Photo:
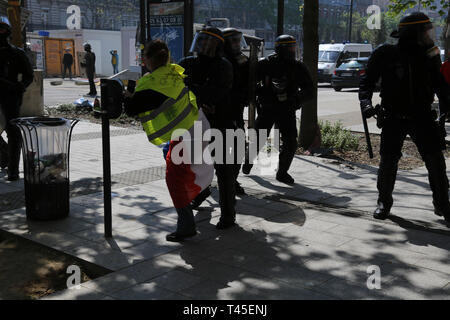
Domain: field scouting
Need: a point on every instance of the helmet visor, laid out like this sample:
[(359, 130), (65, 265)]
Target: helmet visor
[(235, 43), (289, 52), (5, 25), (427, 37), (205, 43)]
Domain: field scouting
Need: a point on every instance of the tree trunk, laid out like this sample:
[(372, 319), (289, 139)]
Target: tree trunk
[(308, 125)]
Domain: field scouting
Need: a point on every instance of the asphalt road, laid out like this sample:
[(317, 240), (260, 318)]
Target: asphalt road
[(332, 106)]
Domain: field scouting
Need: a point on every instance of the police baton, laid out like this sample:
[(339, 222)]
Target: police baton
[(366, 132)]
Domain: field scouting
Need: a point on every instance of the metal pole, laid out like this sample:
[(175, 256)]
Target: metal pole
[(106, 174), (280, 26), (147, 22), (142, 31), (350, 23), (188, 25)]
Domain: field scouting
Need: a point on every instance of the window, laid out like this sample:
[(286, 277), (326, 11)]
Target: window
[(365, 54), (328, 56), (44, 16), (354, 64)]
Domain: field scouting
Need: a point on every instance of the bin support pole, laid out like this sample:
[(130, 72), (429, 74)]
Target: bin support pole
[(106, 175)]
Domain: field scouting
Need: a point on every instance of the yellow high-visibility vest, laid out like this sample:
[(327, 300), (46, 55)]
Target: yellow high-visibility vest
[(179, 111)]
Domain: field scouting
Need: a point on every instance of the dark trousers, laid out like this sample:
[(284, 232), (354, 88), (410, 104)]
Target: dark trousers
[(287, 124), (92, 89), (226, 179), (430, 143), (12, 148), (67, 67), (186, 221), (14, 145), (115, 68), (3, 153)]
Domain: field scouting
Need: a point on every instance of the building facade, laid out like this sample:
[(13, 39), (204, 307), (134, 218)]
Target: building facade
[(95, 14)]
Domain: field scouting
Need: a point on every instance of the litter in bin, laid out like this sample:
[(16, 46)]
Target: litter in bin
[(82, 102), (48, 169)]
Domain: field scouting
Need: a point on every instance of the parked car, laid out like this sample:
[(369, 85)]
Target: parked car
[(349, 73), (332, 55)]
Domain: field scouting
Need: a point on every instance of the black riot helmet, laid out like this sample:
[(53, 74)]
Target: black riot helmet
[(87, 47), (234, 41), (286, 47), (208, 42), (416, 28), (5, 27)]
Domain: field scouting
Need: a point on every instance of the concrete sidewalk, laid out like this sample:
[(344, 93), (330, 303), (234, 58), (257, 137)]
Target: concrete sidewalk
[(313, 240)]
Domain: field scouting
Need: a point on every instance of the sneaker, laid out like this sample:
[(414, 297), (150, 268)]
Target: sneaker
[(176, 237), (285, 178), (246, 168)]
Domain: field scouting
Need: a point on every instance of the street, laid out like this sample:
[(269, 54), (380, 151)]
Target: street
[(332, 106)]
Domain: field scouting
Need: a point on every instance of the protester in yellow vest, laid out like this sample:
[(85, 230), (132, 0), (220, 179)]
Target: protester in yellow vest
[(168, 112)]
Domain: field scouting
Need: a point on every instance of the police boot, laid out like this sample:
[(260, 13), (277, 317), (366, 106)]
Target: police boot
[(185, 226), (3, 153), (227, 196), (439, 185), (283, 166), (387, 174)]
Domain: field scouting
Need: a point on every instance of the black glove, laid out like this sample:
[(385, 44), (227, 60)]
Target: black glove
[(367, 109)]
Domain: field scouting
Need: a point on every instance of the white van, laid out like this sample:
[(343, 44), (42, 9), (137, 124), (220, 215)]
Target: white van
[(331, 55)]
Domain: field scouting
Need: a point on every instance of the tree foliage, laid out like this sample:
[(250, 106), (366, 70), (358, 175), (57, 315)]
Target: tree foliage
[(99, 14), (398, 6)]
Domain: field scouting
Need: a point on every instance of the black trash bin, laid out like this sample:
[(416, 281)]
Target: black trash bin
[(45, 146)]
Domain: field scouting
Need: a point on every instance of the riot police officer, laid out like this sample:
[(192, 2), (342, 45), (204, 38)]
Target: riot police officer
[(410, 78), (210, 77), (234, 42), (285, 85), (13, 61)]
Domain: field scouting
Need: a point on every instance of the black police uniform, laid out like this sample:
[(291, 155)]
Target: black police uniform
[(238, 101), (409, 79), (13, 61), (90, 69), (211, 79), (280, 97)]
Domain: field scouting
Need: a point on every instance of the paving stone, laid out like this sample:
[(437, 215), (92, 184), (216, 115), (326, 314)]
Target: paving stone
[(205, 290), (436, 264), (177, 280), (323, 237), (143, 291), (294, 275), (76, 294), (347, 290)]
